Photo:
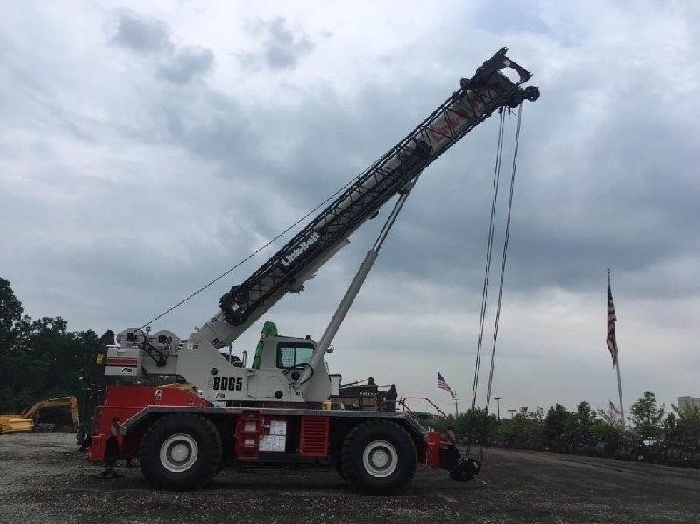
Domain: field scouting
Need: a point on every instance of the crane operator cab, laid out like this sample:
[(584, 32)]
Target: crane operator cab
[(282, 369)]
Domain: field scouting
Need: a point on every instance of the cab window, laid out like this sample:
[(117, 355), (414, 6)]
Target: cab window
[(293, 354)]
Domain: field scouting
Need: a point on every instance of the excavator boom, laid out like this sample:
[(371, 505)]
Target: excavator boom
[(25, 421)]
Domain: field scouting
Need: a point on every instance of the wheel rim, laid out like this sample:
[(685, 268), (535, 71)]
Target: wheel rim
[(380, 458), (179, 452)]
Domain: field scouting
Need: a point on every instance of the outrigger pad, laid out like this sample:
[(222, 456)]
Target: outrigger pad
[(466, 469)]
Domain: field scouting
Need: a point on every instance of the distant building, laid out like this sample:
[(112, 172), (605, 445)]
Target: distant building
[(688, 401)]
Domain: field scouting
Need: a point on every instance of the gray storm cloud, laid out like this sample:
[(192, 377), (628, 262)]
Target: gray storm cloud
[(150, 36), (279, 48)]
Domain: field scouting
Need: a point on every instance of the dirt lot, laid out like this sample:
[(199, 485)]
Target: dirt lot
[(44, 479)]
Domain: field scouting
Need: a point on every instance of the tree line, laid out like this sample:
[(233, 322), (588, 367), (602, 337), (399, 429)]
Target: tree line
[(39, 359), (647, 421), (651, 433)]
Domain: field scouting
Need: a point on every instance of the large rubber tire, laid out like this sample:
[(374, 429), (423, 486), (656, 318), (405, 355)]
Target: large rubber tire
[(378, 457), (181, 452), (337, 465)]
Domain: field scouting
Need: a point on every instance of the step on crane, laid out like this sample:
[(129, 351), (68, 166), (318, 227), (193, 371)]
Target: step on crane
[(274, 412)]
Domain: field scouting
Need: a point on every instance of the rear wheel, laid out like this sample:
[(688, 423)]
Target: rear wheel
[(181, 452), (378, 457)]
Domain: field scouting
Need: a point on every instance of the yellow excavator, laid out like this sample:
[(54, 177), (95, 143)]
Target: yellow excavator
[(26, 421)]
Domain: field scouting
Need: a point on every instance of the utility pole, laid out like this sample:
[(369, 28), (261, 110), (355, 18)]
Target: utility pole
[(498, 406)]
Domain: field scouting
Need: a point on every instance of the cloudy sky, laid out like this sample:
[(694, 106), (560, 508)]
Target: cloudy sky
[(145, 148)]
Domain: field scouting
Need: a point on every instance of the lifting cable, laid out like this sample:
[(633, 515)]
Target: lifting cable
[(504, 256), (489, 251)]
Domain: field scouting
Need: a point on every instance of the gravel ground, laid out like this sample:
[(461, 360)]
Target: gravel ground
[(44, 479)]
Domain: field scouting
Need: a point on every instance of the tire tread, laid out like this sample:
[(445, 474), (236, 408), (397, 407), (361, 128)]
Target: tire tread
[(208, 439), (361, 482)]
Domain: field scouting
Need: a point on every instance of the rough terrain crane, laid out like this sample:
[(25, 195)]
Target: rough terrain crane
[(274, 412)]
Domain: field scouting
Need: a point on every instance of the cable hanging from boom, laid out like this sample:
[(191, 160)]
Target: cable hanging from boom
[(489, 253), (504, 256)]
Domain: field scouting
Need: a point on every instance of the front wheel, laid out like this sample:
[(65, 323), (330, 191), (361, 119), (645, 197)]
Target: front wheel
[(181, 452), (378, 457)]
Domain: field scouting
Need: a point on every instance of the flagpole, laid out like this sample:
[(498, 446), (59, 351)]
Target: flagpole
[(619, 390)]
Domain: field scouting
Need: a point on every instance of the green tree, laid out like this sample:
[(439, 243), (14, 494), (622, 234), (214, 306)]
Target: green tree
[(524, 430), (646, 416), (11, 311), (557, 426), (670, 426), (688, 424), (584, 420), (38, 358), (477, 425)]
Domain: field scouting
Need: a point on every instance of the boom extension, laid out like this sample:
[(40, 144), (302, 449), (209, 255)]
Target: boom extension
[(477, 98)]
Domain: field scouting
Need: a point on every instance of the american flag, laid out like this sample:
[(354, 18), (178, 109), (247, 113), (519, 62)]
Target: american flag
[(443, 385), (612, 343)]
